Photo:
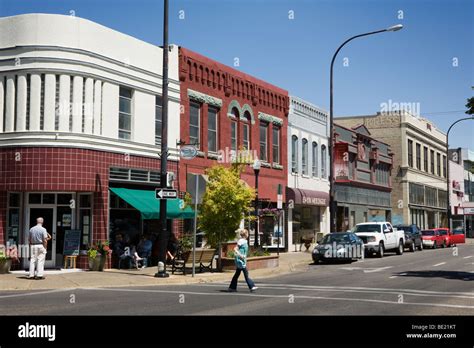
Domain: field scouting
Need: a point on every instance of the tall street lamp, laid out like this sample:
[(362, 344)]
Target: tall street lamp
[(448, 189), (256, 169), (332, 202), (163, 235)]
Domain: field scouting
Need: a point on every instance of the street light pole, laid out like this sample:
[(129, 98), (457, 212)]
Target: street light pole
[(163, 235), (256, 169), (332, 202), (448, 188)]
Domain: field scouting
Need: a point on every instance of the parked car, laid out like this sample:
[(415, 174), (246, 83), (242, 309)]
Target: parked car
[(457, 236), (413, 238), (379, 237), (444, 233), (344, 246), (431, 238)]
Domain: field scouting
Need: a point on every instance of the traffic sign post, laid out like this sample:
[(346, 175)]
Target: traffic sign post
[(162, 193)]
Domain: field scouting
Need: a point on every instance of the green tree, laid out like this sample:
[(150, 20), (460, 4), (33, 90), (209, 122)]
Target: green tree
[(470, 106), (226, 202)]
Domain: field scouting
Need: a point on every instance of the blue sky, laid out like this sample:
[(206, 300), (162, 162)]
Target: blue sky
[(414, 65)]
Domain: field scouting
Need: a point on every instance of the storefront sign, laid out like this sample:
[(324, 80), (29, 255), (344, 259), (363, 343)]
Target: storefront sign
[(72, 242), (468, 211), (307, 197), (188, 152)]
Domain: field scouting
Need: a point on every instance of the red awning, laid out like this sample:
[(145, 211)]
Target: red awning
[(307, 197)]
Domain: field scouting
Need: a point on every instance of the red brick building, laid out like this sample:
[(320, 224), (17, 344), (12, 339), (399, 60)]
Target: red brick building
[(224, 110)]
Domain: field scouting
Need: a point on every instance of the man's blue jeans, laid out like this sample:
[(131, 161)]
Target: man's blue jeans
[(233, 283)]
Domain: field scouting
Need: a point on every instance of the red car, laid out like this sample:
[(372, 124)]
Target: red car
[(444, 233), (456, 236), (432, 238)]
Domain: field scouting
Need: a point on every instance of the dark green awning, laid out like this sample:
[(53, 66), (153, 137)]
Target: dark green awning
[(145, 201)]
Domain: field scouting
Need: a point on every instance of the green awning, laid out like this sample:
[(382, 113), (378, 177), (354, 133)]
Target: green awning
[(149, 207)]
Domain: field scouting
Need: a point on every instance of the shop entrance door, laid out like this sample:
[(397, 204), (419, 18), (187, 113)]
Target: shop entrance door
[(49, 223)]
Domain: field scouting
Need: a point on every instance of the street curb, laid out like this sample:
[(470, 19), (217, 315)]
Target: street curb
[(218, 277)]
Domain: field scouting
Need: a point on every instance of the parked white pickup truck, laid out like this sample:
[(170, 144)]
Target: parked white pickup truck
[(379, 237)]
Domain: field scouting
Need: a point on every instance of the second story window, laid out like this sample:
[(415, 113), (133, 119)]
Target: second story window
[(438, 164), (158, 120), (194, 123), (276, 144), (125, 113), (418, 156), (432, 160), (294, 154), (304, 156), (444, 166), (314, 159), (212, 129), (246, 131), (263, 142), (410, 153), (425, 159), (233, 136), (323, 161)]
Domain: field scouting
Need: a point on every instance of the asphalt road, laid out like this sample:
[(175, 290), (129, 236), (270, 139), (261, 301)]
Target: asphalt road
[(430, 282)]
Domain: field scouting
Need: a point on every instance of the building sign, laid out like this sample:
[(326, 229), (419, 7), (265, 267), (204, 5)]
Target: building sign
[(188, 152), (341, 162), (468, 211), (313, 201)]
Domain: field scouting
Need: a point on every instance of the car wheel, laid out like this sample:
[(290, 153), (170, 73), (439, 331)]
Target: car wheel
[(400, 248), (413, 247), (381, 251), (420, 247)]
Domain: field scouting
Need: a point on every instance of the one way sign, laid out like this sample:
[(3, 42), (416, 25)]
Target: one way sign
[(166, 193)]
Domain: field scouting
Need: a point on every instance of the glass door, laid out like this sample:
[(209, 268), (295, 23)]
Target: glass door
[(49, 223)]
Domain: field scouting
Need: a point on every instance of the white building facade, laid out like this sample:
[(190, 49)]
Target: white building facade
[(80, 111), (308, 172)]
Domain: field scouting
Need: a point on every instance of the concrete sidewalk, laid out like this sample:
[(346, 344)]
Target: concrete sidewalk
[(289, 262)]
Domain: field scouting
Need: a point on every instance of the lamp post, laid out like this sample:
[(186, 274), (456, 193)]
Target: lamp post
[(332, 202), (448, 189), (256, 169), (163, 235)]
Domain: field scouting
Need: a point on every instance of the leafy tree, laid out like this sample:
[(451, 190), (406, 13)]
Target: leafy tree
[(226, 202), (470, 106)]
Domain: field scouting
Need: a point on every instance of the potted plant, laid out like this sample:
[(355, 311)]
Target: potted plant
[(6, 258), (97, 254)]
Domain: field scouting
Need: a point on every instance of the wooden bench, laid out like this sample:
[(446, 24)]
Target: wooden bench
[(204, 259)]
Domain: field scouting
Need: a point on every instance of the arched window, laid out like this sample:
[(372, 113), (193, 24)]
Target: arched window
[(304, 156), (323, 161), (233, 129), (314, 163), (294, 154), (246, 130)]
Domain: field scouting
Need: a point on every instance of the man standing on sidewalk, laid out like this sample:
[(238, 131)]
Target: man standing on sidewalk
[(38, 241)]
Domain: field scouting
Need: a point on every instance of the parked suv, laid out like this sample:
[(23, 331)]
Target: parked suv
[(413, 238), (379, 237)]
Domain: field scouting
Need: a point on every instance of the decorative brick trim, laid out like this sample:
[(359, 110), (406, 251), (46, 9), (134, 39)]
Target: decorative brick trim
[(269, 118), (204, 98)]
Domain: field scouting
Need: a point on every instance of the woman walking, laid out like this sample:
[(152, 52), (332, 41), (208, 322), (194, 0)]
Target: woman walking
[(241, 251)]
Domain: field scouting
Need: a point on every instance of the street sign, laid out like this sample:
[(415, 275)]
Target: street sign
[(166, 193)]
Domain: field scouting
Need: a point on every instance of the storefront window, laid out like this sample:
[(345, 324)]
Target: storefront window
[(85, 218), (13, 226)]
